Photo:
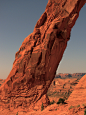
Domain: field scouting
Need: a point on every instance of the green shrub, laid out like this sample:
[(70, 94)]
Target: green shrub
[(42, 107), (84, 105), (71, 107), (61, 100), (52, 102), (78, 105), (17, 113), (65, 97), (85, 112)]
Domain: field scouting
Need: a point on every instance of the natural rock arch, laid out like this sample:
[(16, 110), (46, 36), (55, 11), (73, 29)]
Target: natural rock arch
[(39, 56)]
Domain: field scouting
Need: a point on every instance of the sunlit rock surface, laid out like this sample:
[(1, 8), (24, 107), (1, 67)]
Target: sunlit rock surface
[(38, 57)]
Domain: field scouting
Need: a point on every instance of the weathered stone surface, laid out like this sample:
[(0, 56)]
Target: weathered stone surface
[(38, 57), (78, 96)]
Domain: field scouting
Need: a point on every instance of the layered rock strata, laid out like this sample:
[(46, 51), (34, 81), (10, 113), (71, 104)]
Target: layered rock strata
[(39, 55), (78, 96)]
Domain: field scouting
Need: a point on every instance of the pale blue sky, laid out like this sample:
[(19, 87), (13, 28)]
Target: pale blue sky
[(17, 21)]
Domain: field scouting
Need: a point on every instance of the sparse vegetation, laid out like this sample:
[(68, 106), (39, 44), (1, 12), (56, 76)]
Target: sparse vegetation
[(52, 102), (78, 105), (71, 107), (84, 104), (61, 100), (42, 107), (85, 112), (54, 92), (17, 113), (65, 97), (63, 91)]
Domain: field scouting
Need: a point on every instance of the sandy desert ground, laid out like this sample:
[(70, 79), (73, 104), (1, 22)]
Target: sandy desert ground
[(59, 88)]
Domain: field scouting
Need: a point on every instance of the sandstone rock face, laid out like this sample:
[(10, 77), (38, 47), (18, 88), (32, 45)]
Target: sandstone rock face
[(38, 57), (78, 96), (2, 81)]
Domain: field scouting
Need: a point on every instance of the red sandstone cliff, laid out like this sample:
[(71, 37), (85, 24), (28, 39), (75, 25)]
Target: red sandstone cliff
[(38, 57), (78, 96)]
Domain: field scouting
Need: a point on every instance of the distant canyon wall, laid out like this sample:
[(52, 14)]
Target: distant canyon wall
[(68, 75)]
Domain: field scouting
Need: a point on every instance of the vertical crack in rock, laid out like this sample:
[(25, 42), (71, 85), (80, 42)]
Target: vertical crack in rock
[(64, 3), (39, 60), (51, 41), (39, 55), (33, 47)]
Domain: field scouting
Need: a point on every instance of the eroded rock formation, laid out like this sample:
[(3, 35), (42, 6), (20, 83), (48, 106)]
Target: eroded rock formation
[(38, 57), (78, 96)]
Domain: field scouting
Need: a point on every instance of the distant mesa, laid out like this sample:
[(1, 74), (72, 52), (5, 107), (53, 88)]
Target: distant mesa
[(60, 75), (68, 75)]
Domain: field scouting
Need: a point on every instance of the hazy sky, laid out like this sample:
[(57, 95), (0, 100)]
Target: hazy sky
[(17, 21)]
